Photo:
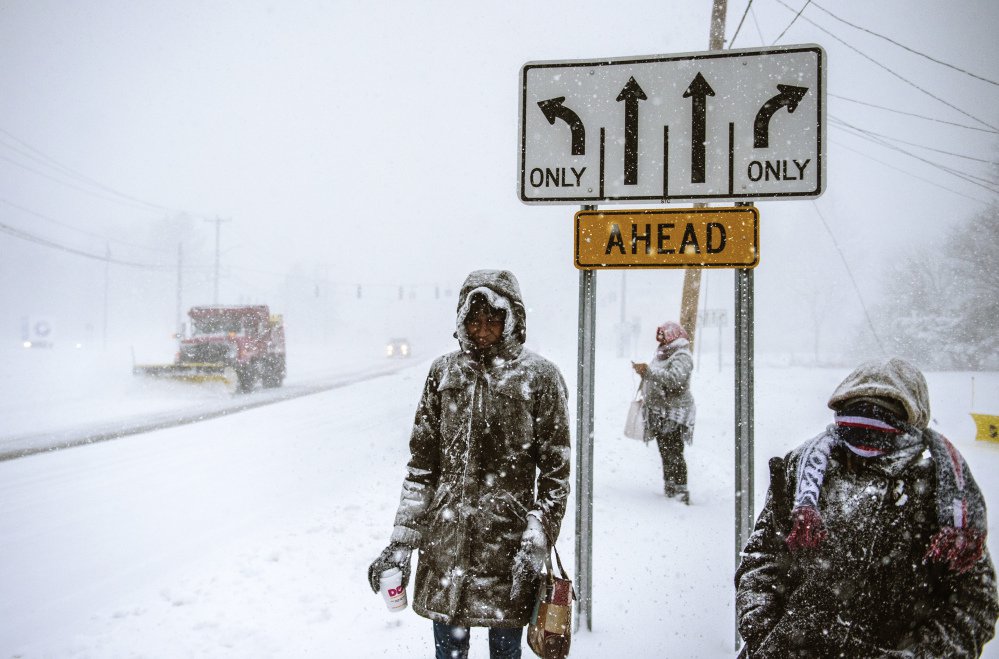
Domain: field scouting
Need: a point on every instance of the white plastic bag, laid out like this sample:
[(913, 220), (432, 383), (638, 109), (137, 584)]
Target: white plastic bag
[(634, 424)]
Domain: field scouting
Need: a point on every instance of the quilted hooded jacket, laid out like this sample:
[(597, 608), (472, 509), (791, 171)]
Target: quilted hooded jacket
[(490, 443), (866, 590)]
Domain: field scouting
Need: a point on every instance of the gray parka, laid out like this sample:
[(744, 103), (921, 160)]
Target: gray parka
[(490, 443), (666, 387), (866, 590)]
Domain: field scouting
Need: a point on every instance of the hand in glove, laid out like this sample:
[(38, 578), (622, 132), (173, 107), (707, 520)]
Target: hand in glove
[(529, 562), (395, 555)]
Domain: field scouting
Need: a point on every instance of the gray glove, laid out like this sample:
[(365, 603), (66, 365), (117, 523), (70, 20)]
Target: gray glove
[(529, 562), (395, 555)]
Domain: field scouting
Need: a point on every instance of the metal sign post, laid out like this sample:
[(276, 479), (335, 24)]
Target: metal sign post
[(584, 444), (744, 513)]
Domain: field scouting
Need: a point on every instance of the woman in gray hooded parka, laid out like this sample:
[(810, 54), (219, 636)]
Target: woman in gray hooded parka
[(872, 539), (669, 405), (488, 476)]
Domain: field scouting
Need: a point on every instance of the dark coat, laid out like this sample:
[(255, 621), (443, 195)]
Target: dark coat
[(490, 443), (866, 590)]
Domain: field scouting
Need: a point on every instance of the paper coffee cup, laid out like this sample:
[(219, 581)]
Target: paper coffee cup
[(393, 590)]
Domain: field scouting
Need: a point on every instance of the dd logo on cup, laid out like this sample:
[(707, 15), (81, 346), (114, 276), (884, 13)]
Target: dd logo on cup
[(393, 590)]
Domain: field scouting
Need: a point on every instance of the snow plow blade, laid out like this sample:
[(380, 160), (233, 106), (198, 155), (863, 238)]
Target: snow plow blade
[(987, 426), (193, 372)]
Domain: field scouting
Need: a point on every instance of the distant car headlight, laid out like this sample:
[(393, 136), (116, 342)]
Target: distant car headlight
[(389, 350), (27, 344), (404, 350)]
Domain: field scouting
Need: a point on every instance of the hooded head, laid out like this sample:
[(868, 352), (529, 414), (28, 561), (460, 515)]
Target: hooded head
[(669, 332), (876, 402), (498, 289), (891, 385)]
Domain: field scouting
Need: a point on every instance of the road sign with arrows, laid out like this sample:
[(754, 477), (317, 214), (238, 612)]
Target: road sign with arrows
[(721, 125)]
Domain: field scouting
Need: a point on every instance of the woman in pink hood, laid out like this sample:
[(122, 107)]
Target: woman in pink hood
[(669, 405)]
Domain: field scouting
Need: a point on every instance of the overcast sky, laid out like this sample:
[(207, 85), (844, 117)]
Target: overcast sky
[(375, 143)]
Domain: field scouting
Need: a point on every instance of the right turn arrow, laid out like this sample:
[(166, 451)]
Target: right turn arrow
[(789, 97), (553, 109)]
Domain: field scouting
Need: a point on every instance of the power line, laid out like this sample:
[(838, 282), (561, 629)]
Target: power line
[(912, 114), (756, 22), (38, 156), (969, 178), (907, 173), (330, 282), (30, 237), (860, 297), (904, 47), (897, 75), (807, 2), (77, 229), (965, 176), (41, 157), (916, 144), (741, 20), (71, 185)]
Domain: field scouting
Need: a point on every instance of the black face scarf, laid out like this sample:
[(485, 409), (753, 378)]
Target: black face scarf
[(870, 429)]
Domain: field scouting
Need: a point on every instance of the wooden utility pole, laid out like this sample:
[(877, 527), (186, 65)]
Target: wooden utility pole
[(692, 276), (180, 289), (107, 288), (218, 225)]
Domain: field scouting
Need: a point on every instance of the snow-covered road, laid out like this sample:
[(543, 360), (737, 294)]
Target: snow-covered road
[(118, 422), (249, 535)]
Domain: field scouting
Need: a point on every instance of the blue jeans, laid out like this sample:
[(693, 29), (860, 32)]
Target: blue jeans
[(452, 642)]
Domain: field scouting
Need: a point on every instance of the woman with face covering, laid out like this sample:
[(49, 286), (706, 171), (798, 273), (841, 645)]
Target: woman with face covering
[(872, 539), (669, 405), (488, 476)]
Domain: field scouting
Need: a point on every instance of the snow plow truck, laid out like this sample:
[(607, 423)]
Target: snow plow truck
[(235, 345)]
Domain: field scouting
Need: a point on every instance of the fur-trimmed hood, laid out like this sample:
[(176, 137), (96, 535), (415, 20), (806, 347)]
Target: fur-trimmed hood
[(501, 291)]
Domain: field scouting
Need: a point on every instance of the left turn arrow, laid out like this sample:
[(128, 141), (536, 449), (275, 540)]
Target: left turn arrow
[(553, 109)]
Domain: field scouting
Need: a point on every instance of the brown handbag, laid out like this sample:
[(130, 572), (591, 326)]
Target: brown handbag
[(550, 631)]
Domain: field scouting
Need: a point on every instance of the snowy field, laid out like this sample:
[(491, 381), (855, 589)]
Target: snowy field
[(249, 535)]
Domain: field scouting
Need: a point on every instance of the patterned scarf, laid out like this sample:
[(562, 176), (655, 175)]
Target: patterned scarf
[(959, 502)]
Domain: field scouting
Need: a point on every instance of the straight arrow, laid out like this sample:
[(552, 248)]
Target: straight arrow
[(553, 109), (631, 94), (788, 97), (697, 92)]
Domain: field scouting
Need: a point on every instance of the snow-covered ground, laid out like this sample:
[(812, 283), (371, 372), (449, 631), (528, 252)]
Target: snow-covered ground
[(249, 535)]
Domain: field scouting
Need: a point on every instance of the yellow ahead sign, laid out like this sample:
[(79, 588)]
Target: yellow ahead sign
[(668, 238)]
